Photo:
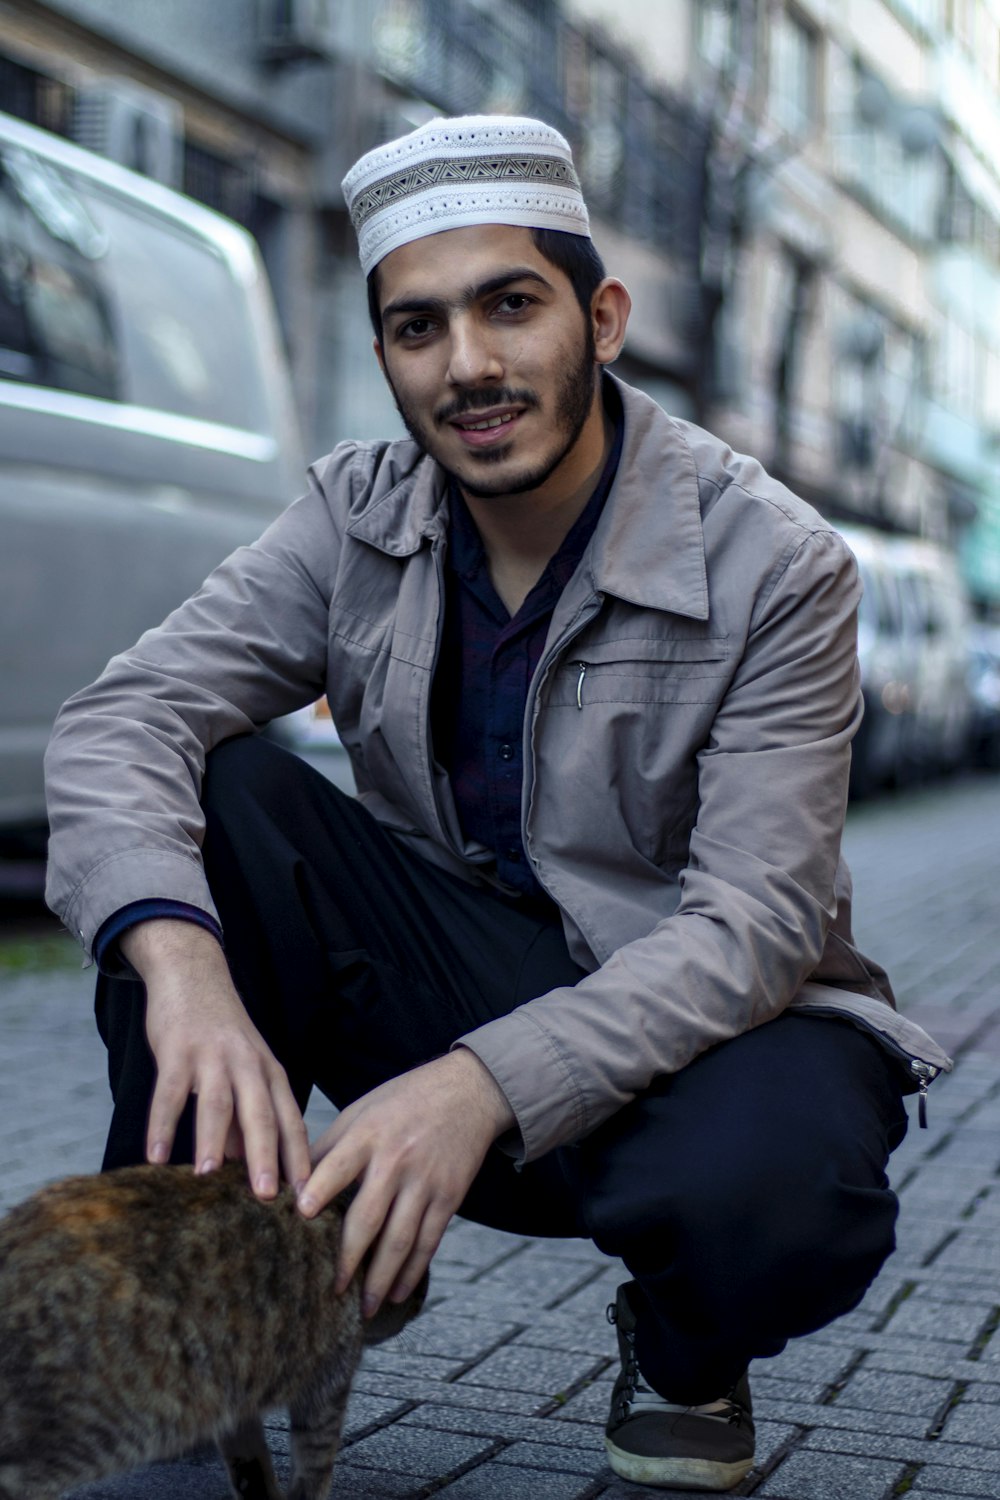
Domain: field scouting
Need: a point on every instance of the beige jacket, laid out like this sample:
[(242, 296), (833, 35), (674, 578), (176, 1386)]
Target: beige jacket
[(687, 743)]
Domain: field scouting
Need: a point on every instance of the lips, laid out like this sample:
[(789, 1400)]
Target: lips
[(480, 429)]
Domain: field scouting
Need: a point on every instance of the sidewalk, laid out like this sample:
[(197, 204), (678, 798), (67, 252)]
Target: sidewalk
[(499, 1391)]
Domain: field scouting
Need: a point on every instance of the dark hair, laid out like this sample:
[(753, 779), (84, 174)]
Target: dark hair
[(573, 254)]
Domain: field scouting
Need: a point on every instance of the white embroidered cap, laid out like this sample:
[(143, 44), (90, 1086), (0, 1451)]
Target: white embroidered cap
[(476, 169)]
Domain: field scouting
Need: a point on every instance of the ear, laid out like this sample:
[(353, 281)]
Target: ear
[(379, 356), (609, 310)]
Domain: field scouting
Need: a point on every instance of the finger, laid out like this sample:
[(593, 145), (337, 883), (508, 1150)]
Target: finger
[(215, 1108), (400, 1239), (363, 1223), (170, 1095), (234, 1149), (324, 1144), (292, 1133), (258, 1121), (384, 1280), (432, 1230), (336, 1171)]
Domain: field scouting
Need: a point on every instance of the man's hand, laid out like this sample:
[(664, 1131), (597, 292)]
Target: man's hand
[(414, 1144), (204, 1043)]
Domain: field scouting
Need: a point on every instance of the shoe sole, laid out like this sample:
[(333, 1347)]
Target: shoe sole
[(676, 1473)]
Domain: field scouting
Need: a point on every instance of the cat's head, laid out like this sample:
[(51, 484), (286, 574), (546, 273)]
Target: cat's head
[(392, 1317)]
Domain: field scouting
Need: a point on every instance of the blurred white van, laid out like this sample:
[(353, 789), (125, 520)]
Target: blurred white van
[(913, 646), (146, 423)]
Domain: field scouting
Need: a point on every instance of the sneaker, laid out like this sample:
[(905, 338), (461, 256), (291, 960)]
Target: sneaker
[(653, 1442)]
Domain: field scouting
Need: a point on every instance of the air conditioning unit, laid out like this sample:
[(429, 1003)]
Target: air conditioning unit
[(294, 29), (132, 125)]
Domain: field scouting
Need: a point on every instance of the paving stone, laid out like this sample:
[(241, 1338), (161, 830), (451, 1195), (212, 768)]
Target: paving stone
[(948, 1481), (558, 1457), (876, 1391), (397, 1361), (586, 1335), (827, 1476), (497, 1481), (804, 1361), (844, 1418), (407, 1450), (548, 1372), (454, 1393), (768, 1388), (513, 1426), (770, 1438), (364, 1411), (973, 1422), (913, 1359), (446, 1335), (931, 1320), (351, 1483)]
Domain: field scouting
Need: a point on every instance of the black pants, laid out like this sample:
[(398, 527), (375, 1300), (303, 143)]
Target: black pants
[(746, 1194)]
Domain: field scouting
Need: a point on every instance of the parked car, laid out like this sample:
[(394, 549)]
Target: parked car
[(984, 686), (938, 618), (888, 668), (913, 643), (146, 423)]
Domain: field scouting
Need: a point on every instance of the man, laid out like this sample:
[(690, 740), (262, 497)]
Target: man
[(578, 959)]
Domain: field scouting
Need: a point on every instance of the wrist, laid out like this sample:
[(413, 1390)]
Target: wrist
[(165, 945), (491, 1096)]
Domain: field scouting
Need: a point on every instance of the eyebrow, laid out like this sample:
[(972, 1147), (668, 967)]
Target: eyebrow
[(468, 295)]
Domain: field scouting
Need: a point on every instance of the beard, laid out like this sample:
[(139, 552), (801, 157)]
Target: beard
[(573, 401)]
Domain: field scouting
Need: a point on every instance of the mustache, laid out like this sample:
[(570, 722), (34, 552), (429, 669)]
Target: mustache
[(472, 401)]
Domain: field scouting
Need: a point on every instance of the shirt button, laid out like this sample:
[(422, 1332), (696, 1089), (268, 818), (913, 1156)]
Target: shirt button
[(506, 752)]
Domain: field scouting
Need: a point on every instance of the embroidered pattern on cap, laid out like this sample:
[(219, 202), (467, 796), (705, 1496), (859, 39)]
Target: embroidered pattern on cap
[(422, 175)]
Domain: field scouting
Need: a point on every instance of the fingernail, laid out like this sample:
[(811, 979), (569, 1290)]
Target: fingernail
[(307, 1204), (158, 1153), (267, 1185), (208, 1165), (400, 1293), (369, 1305)]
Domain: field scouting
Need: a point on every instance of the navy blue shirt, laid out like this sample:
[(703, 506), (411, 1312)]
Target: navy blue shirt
[(484, 668)]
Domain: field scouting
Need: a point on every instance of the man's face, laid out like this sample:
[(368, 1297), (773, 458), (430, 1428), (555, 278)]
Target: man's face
[(489, 357)]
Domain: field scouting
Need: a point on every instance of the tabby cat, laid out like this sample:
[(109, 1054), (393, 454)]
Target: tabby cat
[(149, 1310)]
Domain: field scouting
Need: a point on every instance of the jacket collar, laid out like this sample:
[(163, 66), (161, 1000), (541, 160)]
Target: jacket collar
[(648, 548), (407, 504)]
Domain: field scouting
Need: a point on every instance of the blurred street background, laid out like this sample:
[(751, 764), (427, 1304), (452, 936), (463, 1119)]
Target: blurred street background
[(803, 198)]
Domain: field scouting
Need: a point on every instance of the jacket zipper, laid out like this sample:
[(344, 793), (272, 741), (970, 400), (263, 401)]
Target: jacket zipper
[(579, 681), (924, 1072)]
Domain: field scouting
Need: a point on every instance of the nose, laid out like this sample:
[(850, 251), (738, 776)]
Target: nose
[(472, 354)]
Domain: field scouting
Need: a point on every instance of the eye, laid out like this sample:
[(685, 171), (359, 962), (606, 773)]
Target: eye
[(416, 328), (514, 302)]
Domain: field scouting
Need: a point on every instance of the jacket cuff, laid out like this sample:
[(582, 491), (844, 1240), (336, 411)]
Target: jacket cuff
[(135, 874), (536, 1078), (107, 953)]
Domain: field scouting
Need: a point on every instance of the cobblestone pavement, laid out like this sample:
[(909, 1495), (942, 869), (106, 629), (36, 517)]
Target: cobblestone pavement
[(501, 1387)]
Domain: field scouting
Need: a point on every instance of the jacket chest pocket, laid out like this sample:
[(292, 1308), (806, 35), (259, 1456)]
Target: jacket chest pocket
[(642, 671)]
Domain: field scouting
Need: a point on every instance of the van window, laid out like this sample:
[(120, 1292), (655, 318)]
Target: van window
[(108, 298), (55, 316)]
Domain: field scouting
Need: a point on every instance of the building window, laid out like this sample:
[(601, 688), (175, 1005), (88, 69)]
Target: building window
[(927, 15), (793, 74), (714, 33)]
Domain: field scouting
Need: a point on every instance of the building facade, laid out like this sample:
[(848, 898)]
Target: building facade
[(801, 195)]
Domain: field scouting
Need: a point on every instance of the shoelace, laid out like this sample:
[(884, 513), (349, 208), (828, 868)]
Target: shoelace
[(639, 1396)]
